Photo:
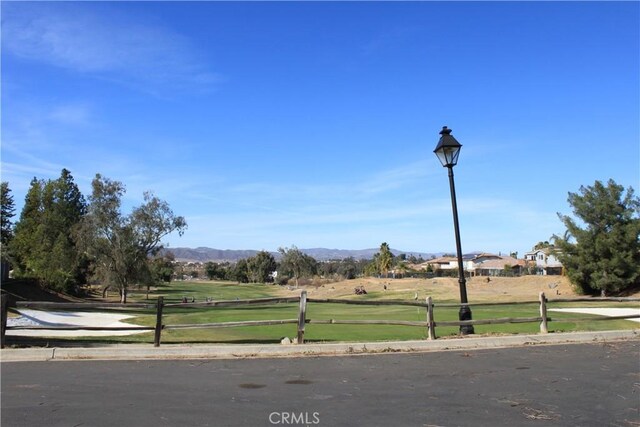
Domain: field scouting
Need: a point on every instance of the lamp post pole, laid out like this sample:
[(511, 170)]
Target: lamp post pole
[(465, 311), (448, 150)]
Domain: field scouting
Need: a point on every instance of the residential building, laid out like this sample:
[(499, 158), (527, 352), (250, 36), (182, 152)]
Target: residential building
[(496, 265), (479, 264), (544, 261), (442, 263)]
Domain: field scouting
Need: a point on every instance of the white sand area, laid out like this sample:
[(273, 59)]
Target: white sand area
[(30, 317), (603, 311)]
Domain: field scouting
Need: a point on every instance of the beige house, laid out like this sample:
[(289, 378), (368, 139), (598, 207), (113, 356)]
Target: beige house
[(483, 264), (495, 265), (442, 263)]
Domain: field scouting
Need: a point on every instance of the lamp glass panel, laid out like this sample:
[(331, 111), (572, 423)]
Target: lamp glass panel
[(448, 155), (455, 152)]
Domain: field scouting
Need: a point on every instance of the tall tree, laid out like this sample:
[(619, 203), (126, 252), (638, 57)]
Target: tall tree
[(43, 245), (348, 268), (162, 266), (121, 246), (296, 264), (64, 206), (385, 258), (27, 229), (601, 249), (213, 270), (240, 271), (261, 266), (7, 212)]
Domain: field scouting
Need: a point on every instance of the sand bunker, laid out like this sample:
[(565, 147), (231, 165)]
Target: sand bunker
[(68, 318), (603, 311)]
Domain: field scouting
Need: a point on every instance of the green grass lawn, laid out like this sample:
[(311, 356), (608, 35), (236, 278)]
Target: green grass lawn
[(173, 293)]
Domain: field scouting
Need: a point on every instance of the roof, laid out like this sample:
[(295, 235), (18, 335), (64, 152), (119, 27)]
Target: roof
[(442, 260), (499, 264), (547, 251), (486, 255)]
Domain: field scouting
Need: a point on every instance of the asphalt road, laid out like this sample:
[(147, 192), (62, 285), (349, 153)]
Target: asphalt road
[(563, 385)]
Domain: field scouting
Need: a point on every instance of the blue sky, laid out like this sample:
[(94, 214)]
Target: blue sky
[(313, 124)]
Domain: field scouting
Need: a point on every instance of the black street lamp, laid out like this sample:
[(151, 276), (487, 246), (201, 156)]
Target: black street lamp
[(448, 150)]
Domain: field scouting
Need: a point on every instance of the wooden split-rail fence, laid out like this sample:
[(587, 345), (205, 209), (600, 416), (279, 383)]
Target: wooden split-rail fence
[(429, 323)]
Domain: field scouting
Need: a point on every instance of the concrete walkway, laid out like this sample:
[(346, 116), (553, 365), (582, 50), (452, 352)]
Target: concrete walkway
[(234, 351)]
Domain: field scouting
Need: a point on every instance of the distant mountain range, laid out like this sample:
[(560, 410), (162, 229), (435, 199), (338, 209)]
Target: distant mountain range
[(203, 254)]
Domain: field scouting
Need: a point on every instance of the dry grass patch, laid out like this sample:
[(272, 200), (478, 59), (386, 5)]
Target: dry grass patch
[(525, 288)]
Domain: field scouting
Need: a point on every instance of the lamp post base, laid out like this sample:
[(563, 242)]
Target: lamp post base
[(465, 314)]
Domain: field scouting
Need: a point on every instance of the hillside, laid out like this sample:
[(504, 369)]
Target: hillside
[(25, 290), (203, 254)]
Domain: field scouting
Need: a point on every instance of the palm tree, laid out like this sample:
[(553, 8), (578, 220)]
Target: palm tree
[(384, 259)]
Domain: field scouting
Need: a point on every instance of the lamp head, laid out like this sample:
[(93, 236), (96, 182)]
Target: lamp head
[(448, 148)]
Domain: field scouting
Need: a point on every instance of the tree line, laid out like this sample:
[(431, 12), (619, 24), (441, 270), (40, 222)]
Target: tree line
[(293, 266), (63, 240)]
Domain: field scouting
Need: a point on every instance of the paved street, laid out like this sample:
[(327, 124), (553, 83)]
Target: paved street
[(562, 385)]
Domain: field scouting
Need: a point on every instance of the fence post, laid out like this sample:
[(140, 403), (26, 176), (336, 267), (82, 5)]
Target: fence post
[(431, 325), (3, 326), (302, 316), (156, 340), (543, 313)]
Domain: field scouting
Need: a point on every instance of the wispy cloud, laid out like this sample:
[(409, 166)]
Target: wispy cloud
[(313, 215), (104, 43), (398, 178), (70, 114), (31, 129), (301, 214)]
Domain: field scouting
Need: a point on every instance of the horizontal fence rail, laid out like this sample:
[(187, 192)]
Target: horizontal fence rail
[(498, 321), (230, 303), (429, 323), (82, 328), (366, 302), (232, 324), (367, 322), (38, 305)]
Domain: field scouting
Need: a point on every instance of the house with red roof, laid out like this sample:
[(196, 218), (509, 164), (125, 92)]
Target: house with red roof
[(482, 264)]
